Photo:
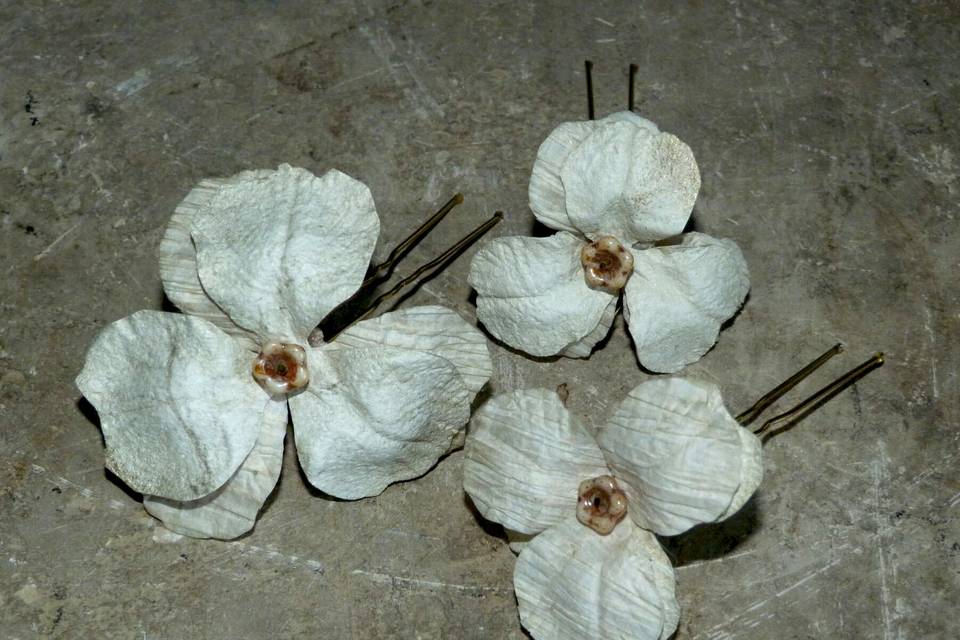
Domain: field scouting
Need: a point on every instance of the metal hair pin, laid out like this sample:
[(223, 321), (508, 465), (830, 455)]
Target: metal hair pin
[(788, 419), (347, 312), (631, 78)]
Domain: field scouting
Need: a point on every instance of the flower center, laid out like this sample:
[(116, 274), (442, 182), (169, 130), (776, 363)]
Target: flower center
[(607, 264), (281, 368), (601, 504)]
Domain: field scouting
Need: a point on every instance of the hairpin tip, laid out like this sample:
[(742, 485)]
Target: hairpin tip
[(457, 198)]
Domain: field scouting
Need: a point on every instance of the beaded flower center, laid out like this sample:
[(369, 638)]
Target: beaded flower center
[(607, 264), (281, 368), (601, 505)]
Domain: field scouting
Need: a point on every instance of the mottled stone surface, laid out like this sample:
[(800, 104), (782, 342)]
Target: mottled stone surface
[(827, 136)]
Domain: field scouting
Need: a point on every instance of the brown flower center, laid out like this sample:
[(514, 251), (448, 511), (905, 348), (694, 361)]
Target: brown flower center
[(601, 505), (607, 264), (281, 368)]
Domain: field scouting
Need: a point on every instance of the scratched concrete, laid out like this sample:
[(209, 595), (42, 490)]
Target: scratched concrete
[(828, 141)]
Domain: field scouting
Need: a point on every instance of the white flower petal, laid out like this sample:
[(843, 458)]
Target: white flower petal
[(525, 458), (678, 454), (630, 182), (547, 198), (546, 192), (375, 416), (583, 347), (751, 471), (231, 510), (178, 260), (279, 250), (664, 579), (632, 118), (532, 293), (572, 584), (433, 329), (679, 296), (178, 405)]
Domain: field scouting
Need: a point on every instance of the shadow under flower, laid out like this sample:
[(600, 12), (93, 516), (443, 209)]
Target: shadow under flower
[(712, 541), (111, 477), (489, 527)]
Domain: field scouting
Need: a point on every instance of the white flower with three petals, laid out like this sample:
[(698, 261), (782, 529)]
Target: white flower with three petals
[(193, 406), (619, 191), (582, 511)]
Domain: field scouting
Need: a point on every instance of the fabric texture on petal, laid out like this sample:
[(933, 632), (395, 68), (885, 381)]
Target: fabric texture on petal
[(630, 182), (546, 191), (547, 198), (661, 570), (632, 118), (679, 296), (231, 510), (376, 416), (677, 454), (278, 252), (525, 458), (751, 471), (572, 583), (532, 294), (178, 405), (178, 259), (583, 347), (432, 329)]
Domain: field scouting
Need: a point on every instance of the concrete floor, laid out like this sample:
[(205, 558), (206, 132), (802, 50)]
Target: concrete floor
[(828, 142)]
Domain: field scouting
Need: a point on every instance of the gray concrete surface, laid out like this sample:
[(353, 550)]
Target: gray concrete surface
[(828, 141)]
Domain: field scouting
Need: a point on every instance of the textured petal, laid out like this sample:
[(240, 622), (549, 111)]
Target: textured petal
[(546, 191), (678, 454), (664, 579), (525, 457), (231, 510), (632, 118), (547, 198), (679, 296), (532, 293), (583, 347), (375, 416), (630, 182), (279, 250), (178, 406), (751, 471), (572, 583), (178, 259), (433, 329)]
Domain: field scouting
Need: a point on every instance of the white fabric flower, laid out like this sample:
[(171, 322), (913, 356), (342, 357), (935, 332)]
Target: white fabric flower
[(614, 189), (670, 457), (194, 407)]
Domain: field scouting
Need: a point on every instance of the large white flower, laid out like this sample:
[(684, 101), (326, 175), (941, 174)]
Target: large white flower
[(616, 189), (582, 510), (194, 407)]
